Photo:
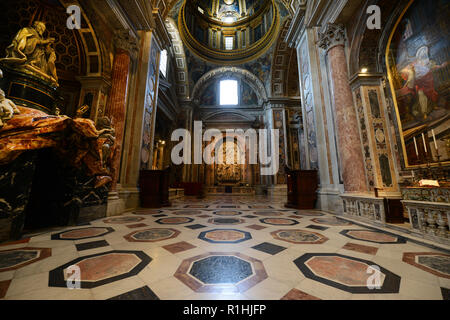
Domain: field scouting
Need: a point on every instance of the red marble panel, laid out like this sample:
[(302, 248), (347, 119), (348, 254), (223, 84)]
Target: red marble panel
[(179, 247), (106, 266), (4, 285), (83, 233), (296, 294), (225, 235), (360, 248), (372, 236), (345, 271)]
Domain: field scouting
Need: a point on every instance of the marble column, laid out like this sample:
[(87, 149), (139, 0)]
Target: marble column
[(161, 156), (117, 101), (353, 173)]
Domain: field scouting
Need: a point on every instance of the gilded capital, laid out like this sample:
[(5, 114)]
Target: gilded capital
[(125, 41), (334, 35)]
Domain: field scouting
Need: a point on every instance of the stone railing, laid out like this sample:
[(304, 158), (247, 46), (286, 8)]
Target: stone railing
[(429, 219), (364, 207)]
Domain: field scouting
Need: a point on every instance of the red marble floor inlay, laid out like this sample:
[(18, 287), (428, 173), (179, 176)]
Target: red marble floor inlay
[(83, 233), (137, 225), (175, 220), (296, 294), (4, 285), (338, 269), (372, 236), (149, 212), (279, 221), (179, 247), (360, 248), (256, 227), (106, 266), (225, 235)]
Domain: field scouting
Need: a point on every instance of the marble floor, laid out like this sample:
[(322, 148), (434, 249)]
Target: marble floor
[(229, 248)]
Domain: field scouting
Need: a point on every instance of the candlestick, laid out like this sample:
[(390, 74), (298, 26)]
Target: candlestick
[(424, 143), (415, 145), (434, 138)]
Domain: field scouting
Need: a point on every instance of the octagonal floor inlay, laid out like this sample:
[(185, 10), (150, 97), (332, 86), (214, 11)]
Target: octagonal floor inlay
[(227, 270), (84, 233), (152, 235), (102, 268), (187, 212), (279, 221), (432, 262), (226, 221), (174, 220), (309, 213), (123, 220), (299, 236), (221, 272), (225, 236), (227, 213), (332, 221), (18, 258), (372, 236), (269, 213), (347, 273), (147, 212)]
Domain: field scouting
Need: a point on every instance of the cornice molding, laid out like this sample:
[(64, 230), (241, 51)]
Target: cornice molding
[(295, 29), (366, 79)]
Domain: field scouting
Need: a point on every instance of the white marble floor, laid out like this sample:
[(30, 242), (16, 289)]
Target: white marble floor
[(222, 248)]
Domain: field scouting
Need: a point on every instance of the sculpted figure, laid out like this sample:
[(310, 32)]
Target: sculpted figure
[(30, 51), (7, 109), (107, 132)]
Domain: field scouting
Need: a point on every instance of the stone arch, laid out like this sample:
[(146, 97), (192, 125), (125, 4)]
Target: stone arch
[(252, 80), (368, 46), (282, 61), (181, 70), (95, 57)]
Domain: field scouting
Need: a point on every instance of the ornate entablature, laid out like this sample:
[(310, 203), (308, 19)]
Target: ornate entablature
[(229, 32)]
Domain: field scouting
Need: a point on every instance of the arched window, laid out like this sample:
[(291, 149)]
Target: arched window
[(229, 92)]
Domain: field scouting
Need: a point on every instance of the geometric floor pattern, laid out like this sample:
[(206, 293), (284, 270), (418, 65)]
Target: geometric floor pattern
[(227, 247)]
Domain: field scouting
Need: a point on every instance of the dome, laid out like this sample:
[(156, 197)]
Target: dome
[(228, 31)]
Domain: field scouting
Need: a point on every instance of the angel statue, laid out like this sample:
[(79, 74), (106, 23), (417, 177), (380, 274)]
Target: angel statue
[(29, 51), (7, 108)]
